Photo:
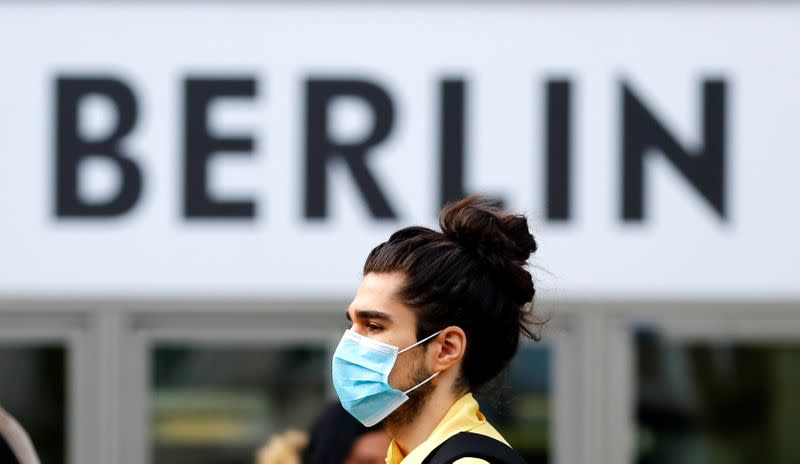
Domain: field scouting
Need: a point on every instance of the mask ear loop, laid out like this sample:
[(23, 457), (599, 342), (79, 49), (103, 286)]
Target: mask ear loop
[(421, 384), (420, 342), (434, 374)]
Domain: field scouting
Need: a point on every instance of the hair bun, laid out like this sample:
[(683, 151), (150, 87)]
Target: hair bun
[(502, 239)]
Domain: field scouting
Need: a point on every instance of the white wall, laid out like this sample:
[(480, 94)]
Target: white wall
[(505, 52)]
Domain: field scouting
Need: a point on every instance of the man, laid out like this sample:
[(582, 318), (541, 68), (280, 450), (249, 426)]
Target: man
[(437, 316)]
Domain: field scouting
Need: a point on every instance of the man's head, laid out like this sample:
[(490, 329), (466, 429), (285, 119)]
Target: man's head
[(379, 313), (468, 281)]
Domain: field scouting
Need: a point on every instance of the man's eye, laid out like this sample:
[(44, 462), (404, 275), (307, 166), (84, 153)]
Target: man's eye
[(374, 327)]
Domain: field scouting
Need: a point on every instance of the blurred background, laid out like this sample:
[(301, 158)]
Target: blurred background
[(188, 190)]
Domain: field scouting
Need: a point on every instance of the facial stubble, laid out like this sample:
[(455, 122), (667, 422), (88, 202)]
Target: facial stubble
[(417, 399)]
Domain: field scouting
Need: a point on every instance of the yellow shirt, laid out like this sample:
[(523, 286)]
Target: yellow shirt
[(463, 416)]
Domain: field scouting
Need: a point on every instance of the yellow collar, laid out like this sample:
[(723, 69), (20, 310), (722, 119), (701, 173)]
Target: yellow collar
[(463, 416)]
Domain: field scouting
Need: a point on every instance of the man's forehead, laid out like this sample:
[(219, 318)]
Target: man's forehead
[(378, 293), (382, 282), (378, 289)]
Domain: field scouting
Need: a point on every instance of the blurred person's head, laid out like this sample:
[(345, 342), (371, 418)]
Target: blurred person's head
[(369, 448), (336, 437), (283, 448), (453, 302)]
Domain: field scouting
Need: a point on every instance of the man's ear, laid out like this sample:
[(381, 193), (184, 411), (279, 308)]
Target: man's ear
[(451, 345)]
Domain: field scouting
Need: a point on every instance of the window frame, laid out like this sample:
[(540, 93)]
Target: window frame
[(23, 326), (682, 321)]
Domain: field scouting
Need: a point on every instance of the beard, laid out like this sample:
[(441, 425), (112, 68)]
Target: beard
[(417, 399)]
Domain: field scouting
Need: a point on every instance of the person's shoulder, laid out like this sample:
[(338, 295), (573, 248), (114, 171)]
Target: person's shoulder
[(488, 430), (485, 429)]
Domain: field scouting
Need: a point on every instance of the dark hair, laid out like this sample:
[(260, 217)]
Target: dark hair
[(333, 435), (472, 275)]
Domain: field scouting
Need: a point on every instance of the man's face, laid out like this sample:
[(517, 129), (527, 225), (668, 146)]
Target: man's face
[(378, 313)]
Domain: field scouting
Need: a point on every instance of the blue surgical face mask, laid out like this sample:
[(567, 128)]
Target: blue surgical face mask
[(361, 368)]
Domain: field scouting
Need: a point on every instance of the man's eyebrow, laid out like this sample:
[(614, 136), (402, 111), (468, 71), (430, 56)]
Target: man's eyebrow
[(372, 314)]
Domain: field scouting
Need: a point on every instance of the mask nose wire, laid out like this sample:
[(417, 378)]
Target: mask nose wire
[(420, 342)]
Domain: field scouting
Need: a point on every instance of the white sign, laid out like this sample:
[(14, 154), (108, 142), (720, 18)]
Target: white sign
[(261, 150)]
